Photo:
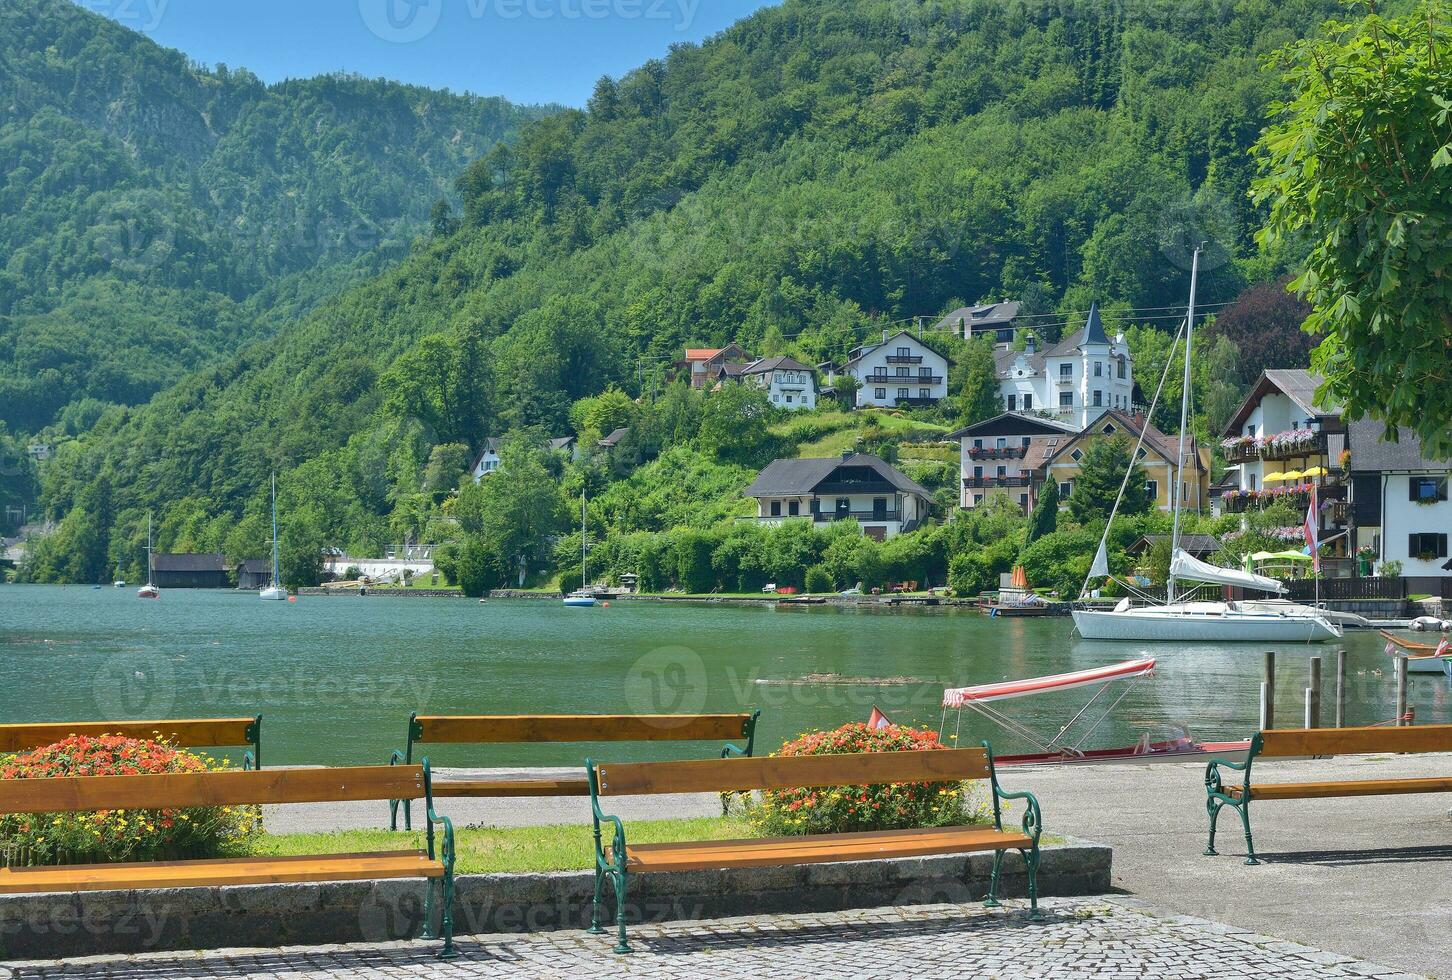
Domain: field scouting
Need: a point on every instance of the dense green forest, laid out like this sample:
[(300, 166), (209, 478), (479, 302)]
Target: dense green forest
[(798, 182), (155, 215)]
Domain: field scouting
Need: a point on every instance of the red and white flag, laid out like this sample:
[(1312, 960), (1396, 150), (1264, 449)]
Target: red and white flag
[(877, 719), (1312, 547), (1443, 649)]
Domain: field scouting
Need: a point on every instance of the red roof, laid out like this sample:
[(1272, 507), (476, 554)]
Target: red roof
[(702, 353)]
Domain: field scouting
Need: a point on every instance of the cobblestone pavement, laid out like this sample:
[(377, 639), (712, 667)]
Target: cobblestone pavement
[(1100, 938)]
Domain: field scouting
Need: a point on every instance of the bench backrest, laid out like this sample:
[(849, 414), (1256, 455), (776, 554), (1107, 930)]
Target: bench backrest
[(221, 788), (787, 772), (186, 732), (1351, 741), (579, 728)]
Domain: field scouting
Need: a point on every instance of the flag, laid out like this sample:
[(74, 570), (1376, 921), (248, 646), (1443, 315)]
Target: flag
[(1443, 650), (1312, 548), (877, 719)]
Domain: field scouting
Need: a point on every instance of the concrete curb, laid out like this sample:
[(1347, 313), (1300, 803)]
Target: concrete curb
[(91, 923)]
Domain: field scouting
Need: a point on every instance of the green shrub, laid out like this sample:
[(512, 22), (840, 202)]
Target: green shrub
[(693, 563), (570, 581), (845, 809), (969, 574), (819, 580), (118, 835), (480, 568)]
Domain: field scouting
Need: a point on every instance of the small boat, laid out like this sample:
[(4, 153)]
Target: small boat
[(274, 590), (1422, 658), (1056, 749), (149, 590), (582, 597)]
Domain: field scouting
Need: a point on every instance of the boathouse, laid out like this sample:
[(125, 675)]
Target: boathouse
[(203, 571)]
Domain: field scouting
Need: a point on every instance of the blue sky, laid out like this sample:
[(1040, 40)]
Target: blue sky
[(525, 50)]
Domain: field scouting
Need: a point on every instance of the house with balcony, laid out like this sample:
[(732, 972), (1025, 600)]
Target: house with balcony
[(853, 486), (1075, 380), (703, 365), (1005, 456), (1157, 455), (993, 320), (788, 383), (1399, 506), (902, 370)]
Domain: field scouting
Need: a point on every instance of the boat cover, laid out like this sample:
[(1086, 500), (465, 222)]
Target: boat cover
[(1185, 566), (956, 697)]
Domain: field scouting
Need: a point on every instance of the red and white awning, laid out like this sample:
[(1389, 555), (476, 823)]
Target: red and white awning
[(957, 697)]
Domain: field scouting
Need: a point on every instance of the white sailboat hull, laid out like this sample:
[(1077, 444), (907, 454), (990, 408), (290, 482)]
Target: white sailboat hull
[(1222, 625), (276, 592)]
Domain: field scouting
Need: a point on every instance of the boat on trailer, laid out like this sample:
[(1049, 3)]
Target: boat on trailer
[(1057, 749)]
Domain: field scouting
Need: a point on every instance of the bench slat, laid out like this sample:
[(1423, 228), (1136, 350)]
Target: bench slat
[(71, 793), (580, 728), (1352, 741), (511, 787), (231, 871), (188, 732), (1365, 787), (784, 772), (819, 848)]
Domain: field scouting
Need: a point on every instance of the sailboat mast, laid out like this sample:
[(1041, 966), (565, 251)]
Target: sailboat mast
[(276, 572), (1177, 491), (583, 538)]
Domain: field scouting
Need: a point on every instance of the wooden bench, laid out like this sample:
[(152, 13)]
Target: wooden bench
[(617, 860), (524, 729), (238, 787), (1304, 742), (185, 732)]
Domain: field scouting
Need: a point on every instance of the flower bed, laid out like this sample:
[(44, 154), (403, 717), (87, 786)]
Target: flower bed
[(845, 809), (117, 835)]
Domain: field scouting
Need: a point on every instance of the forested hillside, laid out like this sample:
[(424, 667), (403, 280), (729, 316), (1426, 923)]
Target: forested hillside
[(155, 215), (817, 171)]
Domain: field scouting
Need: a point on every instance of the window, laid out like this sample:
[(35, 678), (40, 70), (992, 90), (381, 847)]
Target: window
[(925, 393), (1076, 455), (1026, 441), (1152, 489), (1028, 402), (1002, 472), (1427, 546), (776, 508), (902, 394), (1065, 489), (925, 372), (1098, 369), (1121, 369), (789, 399), (977, 443), (977, 472), (1426, 489), (1000, 443), (1012, 402), (1098, 397), (879, 393), (1066, 399), (794, 508), (902, 372), (1066, 370), (978, 498), (1023, 500), (903, 351)]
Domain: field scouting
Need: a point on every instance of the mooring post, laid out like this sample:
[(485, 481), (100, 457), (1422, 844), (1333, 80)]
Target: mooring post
[(1268, 693), (1340, 688), (1401, 689), (1313, 695)]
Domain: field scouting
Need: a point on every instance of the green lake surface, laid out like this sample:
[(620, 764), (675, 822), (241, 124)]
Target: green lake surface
[(336, 678)]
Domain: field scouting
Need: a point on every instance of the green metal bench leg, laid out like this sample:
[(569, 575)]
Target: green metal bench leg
[(1212, 807), (1031, 865), (992, 901), (448, 952), (1249, 844), (595, 929), (428, 911), (622, 946)]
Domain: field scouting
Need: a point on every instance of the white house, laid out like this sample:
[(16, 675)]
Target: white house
[(901, 370), (487, 461), (994, 320), (1076, 380), (1399, 500), (1006, 455), (788, 383), (853, 486)]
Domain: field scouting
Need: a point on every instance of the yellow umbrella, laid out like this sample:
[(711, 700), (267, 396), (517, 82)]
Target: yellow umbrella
[(1276, 477), (1314, 471)]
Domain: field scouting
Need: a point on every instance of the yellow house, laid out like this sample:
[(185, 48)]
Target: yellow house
[(1156, 458)]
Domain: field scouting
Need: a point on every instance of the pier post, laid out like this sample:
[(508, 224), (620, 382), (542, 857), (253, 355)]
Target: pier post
[(1268, 692), (1340, 688), (1401, 688), (1313, 695)]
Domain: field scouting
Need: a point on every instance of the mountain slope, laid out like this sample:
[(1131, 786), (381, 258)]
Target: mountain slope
[(146, 200), (816, 172)]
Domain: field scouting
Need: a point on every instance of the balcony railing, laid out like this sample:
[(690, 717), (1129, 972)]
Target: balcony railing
[(857, 515), (1295, 444), (904, 359), (988, 482), (998, 452), (904, 380)]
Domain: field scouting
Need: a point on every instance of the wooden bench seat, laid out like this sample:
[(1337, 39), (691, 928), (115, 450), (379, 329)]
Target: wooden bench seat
[(239, 787), (192, 733), (1303, 742), (818, 848), (558, 729), (616, 859)]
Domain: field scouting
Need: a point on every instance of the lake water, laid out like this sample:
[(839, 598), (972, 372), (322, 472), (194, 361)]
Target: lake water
[(336, 678)]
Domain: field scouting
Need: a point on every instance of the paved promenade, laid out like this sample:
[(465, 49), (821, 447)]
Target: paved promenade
[(1093, 939)]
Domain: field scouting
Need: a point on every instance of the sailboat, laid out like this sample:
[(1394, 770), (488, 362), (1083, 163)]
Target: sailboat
[(1180, 620), (581, 597), (149, 590), (274, 589)]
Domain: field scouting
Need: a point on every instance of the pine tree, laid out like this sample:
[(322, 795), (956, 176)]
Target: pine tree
[(1097, 485), (1045, 517)]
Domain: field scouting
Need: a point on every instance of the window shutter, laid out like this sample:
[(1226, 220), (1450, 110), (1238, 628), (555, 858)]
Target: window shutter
[(1412, 545), (1441, 546), (1413, 485)]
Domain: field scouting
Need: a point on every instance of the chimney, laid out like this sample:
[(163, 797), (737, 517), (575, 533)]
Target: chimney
[(1030, 344)]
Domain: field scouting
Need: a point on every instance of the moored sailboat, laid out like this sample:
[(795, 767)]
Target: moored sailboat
[(581, 596), (149, 590), (274, 589)]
